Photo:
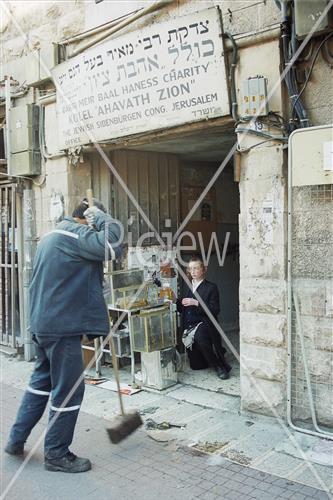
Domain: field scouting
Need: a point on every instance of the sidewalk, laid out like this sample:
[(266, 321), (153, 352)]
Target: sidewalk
[(161, 464)]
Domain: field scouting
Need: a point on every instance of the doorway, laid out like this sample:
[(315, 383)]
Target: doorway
[(216, 214), (167, 177)]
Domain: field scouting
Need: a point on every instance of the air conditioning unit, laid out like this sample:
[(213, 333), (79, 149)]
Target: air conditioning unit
[(25, 158)]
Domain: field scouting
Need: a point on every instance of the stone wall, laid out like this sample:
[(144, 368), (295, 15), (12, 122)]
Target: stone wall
[(262, 228), (318, 95), (28, 31), (27, 25), (239, 16)]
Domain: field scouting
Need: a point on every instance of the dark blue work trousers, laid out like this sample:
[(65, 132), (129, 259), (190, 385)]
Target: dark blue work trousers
[(59, 372)]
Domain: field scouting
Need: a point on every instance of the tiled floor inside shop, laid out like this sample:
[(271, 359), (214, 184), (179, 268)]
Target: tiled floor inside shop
[(207, 379)]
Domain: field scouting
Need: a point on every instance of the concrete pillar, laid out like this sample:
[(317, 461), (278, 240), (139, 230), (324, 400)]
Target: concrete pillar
[(263, 314)]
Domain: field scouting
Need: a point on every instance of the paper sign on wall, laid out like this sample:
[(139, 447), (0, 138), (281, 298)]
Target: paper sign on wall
[(328, 155)]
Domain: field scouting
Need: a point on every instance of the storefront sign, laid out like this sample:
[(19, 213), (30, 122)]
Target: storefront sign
[(158, 77)]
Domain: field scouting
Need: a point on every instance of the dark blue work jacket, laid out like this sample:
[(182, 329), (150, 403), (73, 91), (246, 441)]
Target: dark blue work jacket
[(66, 290)]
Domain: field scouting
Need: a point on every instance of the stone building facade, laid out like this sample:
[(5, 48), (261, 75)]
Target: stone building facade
[(28, 37)]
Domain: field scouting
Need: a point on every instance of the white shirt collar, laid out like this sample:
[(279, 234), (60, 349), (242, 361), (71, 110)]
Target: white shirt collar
[(195, 285)]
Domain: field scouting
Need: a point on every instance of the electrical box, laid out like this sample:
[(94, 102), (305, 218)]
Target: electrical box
[(34, 68), (24, 128), (311, 156), (25, 163), (25, 158), (255, 101), (307, 13)]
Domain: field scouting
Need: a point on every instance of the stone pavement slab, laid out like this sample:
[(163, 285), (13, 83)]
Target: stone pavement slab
[(138, 468)]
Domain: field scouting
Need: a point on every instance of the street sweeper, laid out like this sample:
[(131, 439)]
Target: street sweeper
[(66, 302)]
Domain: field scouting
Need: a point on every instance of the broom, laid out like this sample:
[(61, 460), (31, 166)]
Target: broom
[(124, 424)]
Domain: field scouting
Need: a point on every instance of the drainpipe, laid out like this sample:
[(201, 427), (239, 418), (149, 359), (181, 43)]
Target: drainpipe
[(234, 108), (155, 6), (29, 245)]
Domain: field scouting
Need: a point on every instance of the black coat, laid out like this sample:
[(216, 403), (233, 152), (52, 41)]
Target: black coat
[(193, 315)]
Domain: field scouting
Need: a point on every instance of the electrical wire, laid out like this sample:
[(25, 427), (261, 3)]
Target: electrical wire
[(289, 44), (308, 55), (267, 120), (38, 184), (228, 13), (16, 176), (245, 150), (327, 54), (272, 119), (262, 134), (310, 71), (290, 79)]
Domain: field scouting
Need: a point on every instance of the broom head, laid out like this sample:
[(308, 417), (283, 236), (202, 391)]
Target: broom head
[(123, 425)]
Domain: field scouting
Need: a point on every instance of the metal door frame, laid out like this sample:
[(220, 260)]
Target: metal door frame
[(10, 251)]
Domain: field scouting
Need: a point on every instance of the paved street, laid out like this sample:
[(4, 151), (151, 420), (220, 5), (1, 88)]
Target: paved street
[(139, 468)]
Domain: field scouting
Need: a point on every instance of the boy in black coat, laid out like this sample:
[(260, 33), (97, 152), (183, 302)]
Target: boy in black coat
[(206, 349)]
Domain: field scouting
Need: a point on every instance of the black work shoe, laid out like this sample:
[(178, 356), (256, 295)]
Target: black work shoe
[(222, 374), (14, 448), (68, 463)]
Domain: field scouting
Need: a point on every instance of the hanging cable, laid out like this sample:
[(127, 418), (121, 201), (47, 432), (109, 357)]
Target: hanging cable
[(245, 150), (272, 119), (310, 70), (158, 4), (260, 133), (290, 77), (327, 54)]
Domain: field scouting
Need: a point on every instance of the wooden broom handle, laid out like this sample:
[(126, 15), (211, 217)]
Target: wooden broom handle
[(90, 197), (111, 340), (115, 369)]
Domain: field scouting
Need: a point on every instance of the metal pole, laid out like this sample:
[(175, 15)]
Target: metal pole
[(2, 283), (306, 368), (289, 287), (29, 253), (6, 266), (12, 268), (8, 105), (20, 263)]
